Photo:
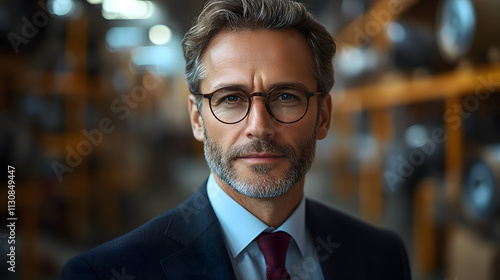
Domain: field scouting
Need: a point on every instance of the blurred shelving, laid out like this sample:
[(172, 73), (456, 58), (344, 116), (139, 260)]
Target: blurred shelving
[(442, 100)]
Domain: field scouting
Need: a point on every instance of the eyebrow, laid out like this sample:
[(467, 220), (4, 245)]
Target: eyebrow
[(289, 84), (272, 86), (228, 85)]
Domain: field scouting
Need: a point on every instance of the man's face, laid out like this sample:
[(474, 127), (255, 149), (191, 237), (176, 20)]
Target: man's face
[(259, 156)]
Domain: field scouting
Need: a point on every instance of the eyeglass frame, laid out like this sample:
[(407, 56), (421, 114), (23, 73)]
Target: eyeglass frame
[(263, 94)]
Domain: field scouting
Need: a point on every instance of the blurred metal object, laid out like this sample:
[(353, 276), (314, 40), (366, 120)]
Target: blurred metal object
[(467, 29), (481, 188), (415, 47)]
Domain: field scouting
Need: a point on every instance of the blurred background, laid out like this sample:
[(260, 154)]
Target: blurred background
[(93, 117)]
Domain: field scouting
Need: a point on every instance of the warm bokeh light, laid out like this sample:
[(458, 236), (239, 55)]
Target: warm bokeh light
[(160, 34), (127, 9)]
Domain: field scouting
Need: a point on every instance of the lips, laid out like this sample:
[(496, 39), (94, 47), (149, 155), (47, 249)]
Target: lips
[(262, 157)]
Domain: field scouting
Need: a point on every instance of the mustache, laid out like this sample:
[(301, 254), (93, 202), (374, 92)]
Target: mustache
[(260, 146)]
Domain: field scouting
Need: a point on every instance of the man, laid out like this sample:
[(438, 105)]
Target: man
[(260, 72)]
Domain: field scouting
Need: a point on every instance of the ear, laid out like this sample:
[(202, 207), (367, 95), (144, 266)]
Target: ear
[(325, 117), (196, 119)]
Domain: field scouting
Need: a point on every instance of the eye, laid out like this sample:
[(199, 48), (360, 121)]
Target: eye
[(229, 97), (232, 98), (286, 96)]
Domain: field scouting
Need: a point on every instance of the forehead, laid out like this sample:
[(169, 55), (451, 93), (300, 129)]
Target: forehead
[(257, 58)]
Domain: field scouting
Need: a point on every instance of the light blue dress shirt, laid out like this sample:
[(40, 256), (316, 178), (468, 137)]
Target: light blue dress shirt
[(241, 227)]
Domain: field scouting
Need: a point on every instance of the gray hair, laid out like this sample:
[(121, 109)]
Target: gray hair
[(218, 15)]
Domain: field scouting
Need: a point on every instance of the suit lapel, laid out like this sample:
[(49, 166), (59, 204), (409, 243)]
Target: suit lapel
[(201, 252), (329, 245)]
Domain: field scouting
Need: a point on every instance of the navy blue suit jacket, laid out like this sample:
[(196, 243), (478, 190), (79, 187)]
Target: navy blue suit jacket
[(186, 243)]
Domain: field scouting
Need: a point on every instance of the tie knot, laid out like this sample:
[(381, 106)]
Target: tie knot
[(274, 246)]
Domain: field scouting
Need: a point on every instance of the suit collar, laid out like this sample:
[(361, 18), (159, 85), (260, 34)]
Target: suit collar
[(201, 252)]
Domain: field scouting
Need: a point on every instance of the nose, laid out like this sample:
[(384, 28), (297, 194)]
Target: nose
[(259, 121)]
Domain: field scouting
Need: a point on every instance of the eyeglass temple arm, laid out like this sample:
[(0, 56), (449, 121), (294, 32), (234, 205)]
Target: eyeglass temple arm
[(207, 95)]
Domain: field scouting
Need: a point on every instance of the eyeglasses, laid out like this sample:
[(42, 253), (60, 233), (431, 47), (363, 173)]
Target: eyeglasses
[(231, 105)]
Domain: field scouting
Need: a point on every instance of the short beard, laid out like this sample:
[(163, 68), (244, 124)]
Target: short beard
[(262, 184)]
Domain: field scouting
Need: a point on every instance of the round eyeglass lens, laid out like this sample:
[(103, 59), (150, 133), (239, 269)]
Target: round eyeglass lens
[(288, 104), (229, 105)]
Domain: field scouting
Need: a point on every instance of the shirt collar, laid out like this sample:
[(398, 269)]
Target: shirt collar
[(239, 235)]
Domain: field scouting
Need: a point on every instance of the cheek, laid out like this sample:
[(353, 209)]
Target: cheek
[(296, 137), (302, 130), (223, 135)]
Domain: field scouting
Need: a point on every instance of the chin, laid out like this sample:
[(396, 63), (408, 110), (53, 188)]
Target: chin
[(264, 186)]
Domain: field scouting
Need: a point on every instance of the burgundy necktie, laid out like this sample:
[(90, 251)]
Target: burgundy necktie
[(273, 246)]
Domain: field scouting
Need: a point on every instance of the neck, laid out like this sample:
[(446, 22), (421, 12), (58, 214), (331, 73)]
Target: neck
[(272, 211)]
